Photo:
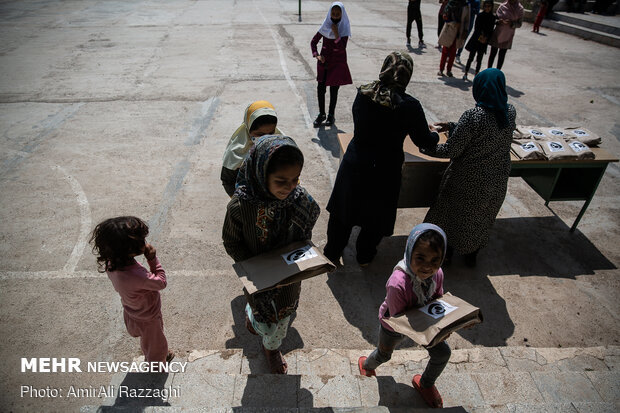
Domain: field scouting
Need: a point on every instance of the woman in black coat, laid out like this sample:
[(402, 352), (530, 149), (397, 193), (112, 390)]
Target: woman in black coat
[(368, 181)]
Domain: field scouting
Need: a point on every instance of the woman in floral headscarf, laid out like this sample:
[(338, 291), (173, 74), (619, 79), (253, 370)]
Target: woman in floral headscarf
[(368, 181)]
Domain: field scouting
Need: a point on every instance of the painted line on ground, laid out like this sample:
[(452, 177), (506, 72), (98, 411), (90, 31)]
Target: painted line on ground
[(300, 101), (62, 274), (85, 220)]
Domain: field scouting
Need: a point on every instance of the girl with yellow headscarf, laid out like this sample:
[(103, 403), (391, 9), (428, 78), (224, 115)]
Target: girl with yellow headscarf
[(259, 119)]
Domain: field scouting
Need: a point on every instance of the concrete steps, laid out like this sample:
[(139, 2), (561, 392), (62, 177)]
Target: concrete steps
[(601, 29), (508, 379)]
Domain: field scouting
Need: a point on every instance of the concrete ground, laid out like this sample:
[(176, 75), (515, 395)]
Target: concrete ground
[(111, 108)]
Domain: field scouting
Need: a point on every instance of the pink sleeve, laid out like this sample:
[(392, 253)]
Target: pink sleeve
[(156, 279), (439, 280), (395, 296), (314, 42)]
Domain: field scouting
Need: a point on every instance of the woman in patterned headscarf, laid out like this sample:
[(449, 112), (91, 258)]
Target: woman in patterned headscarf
[(368, 181)]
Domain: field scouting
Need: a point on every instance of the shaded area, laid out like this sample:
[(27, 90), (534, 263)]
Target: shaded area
[(269, 390), (131, 392), (398, 396), (251, 344), (539, 246), (327, 138)]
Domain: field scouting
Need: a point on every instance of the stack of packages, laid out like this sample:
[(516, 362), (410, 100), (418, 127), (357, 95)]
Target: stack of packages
[(534, 142)]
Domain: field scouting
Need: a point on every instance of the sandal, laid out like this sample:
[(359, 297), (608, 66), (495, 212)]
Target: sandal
[(248, 325), (430, 394), (363, 371), (276, 362), (170, 356)]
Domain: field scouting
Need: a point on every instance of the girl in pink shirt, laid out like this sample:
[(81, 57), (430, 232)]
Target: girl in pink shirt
[(116, 241), (416, 280)]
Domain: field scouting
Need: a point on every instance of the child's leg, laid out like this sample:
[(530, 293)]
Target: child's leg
[(469, 60), (492, 57), (153, 341), (271, 334), (388, 340), (440, 354), (479, 61), (333, 99), (321, 88), (500, 58)]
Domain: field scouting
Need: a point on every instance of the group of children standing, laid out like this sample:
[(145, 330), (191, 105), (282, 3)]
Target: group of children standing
[(268, 209), (456, 18)]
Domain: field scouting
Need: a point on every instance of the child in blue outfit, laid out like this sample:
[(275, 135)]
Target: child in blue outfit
[(416, 280)]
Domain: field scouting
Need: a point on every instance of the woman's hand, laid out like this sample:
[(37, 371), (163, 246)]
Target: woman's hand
[(441, 127), (320, 58), (149, 252)]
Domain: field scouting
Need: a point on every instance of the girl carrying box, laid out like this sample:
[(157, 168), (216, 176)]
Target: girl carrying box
[(416, 280), (269, 210)]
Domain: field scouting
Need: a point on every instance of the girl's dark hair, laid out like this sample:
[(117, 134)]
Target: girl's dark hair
[(485, 2), (285, 156), (116, 239), (434, 239), (263, 120)]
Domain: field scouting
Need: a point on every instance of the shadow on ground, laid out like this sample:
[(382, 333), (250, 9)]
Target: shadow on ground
[(328, 139), (133, 398), (527, 247)]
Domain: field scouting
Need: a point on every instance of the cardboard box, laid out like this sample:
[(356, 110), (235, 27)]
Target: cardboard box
[(432, 323), (295, 262)]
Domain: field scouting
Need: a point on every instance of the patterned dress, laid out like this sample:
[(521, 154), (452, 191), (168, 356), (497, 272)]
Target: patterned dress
[(474, 185)]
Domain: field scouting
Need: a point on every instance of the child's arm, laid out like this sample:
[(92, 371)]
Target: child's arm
[(313, 44), (232, 232), (395, 299), (439, 280), (156, 279)]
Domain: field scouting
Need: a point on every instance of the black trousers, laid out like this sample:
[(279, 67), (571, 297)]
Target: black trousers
[(500, 59), (479, 57), (338, 234), (413, 13), (321, 89)]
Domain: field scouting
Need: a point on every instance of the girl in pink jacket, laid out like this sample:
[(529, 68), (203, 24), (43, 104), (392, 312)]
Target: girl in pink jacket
[(416, 280), (116, 242)]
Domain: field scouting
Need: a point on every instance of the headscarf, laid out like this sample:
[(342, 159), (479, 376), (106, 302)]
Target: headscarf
[(394, 77), (252, 187), (344, 27), (240, 142), (512, 12), (423, 289), (490, 93)]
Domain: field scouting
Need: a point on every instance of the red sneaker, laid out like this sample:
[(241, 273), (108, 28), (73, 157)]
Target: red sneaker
[(363, 371), (430, 395)]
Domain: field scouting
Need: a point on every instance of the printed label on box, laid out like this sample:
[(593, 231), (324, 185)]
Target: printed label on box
[(555, 146), (438, 309), (578, 146), (580, 132), (556, 132), (528, 147), (536, 132), (300, 254)]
